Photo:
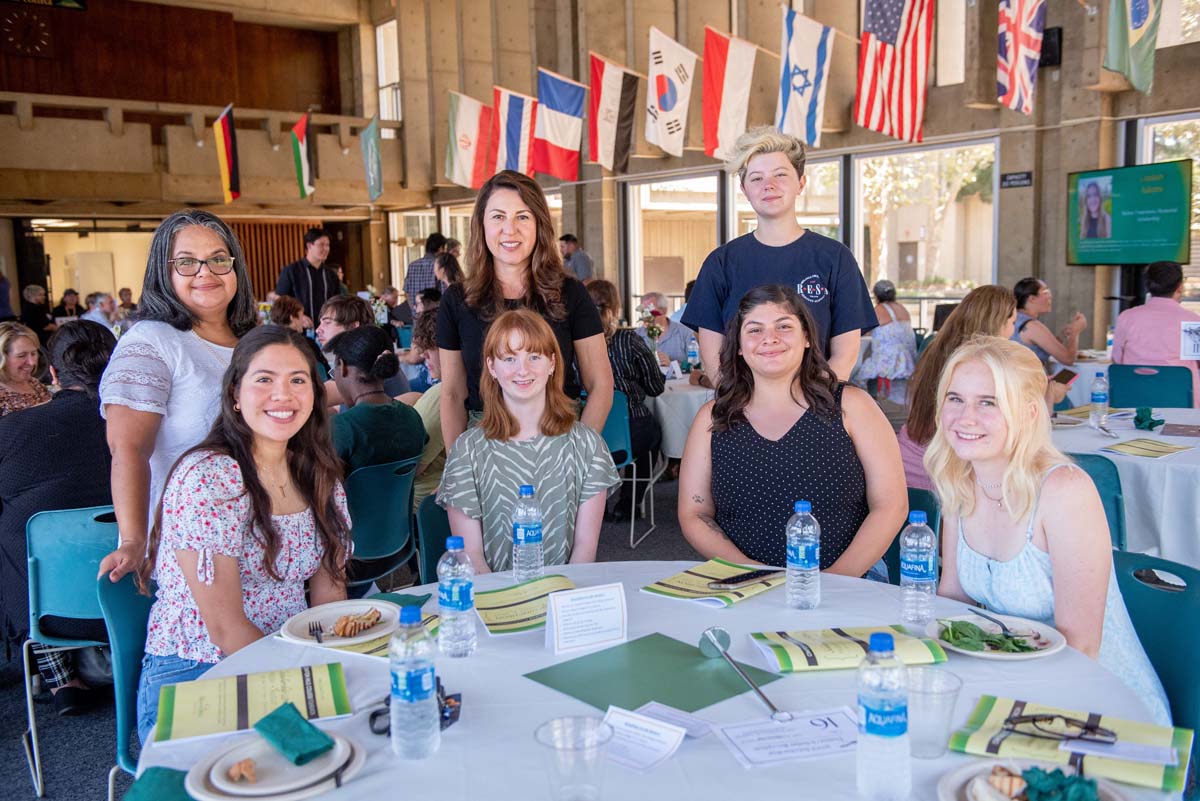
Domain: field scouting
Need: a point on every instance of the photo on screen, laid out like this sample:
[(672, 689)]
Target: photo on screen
[(1095, 208)]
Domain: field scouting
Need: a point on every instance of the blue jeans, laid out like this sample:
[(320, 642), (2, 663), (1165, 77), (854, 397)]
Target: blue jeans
[(879, 572), (158, 671)]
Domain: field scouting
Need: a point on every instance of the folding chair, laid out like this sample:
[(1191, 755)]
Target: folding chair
[(1162, 387), (616, 436), (380, 502), (1108, 483)]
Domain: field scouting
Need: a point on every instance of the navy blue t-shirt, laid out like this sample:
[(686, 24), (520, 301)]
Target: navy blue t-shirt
[(821, 270)]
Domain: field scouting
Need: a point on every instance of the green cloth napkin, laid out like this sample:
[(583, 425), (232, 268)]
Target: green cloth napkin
[(159, 784), (400, 599), (299, 741), (1145, 420)]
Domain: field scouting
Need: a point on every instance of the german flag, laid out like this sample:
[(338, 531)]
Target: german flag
[(227, 160)]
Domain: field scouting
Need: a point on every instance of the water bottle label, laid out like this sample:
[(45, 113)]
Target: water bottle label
[(806, 556), (457, 594), (883, 722), (919, 569), (1099, 397), (413, 685), (527, 533)]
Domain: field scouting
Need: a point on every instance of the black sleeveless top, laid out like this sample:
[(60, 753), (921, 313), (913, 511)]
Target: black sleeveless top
[(756, 482)]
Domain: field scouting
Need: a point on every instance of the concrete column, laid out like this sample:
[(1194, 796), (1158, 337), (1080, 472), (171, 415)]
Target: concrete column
[(444, 76), (475, 33), (412, 23), (513, 24)]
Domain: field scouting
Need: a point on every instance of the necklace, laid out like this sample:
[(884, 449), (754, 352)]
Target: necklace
[(274, 482), (368, 392), (984, 489), (210, 348)]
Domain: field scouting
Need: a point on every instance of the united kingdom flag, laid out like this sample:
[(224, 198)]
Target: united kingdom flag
[(1021, 23)]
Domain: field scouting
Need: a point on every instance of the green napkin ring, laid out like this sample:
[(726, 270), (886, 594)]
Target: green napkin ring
[(299, 741), (1145, 420)]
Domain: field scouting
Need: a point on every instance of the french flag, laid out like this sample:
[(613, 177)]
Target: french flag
[(559, 128), (513, 123), (728, 76)]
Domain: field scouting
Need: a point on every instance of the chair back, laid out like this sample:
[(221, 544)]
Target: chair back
[(404, 334), (1162, 387), (925, 342), (126, 613), (433, 527), (64, 550), (1108, 483), (919, 500), (616, 431), (380, 502)]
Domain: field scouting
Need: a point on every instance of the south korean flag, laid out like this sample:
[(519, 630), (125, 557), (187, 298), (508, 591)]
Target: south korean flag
[(672, 67)]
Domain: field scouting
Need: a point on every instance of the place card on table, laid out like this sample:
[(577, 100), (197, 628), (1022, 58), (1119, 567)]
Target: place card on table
[(695, 727), (640, 742), (1189, 341), (808, 735), (586, 618), (1179, 430)]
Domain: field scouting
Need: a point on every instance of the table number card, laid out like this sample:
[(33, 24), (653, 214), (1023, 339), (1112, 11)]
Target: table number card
[(640, 742), (586, 618), (1189, 341)]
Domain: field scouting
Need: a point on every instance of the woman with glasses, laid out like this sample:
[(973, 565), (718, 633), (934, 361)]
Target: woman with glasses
[(161, 390), (1025, 530)]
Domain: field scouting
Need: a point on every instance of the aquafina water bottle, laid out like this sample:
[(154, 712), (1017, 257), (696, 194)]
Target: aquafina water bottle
[(693, 353), (415, 717), (803, 558), (884, 770), (1099, 413), (918, 573), (527, 537), (456, 601)]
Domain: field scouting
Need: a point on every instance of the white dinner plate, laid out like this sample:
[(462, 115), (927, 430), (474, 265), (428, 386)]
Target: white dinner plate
[(1053, 638), (296, 628), (953, 785), (274, 774), (200, 788)]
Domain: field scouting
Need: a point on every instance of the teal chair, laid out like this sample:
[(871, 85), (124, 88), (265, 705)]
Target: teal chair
[(1156, 609), (404, 334), (1162, 387), (919, 500), (64, 550), (617, 438), (380, 502), (126, 613), (433, 527), (925, 343), (1108, 483)]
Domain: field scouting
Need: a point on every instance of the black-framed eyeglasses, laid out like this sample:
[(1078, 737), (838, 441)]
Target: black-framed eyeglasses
[(1059, 727), (187, 266)]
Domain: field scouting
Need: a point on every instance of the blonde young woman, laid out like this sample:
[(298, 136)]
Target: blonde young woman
[(1025, 530)]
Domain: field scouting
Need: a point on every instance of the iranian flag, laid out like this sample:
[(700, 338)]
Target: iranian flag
[(468, 153), (728, 74), (302, 152), (610, 123)]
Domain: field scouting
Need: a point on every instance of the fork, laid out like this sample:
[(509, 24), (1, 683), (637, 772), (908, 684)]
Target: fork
[(1007, 631), (315, 629)]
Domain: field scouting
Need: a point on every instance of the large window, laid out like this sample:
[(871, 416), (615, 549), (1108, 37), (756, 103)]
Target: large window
[(1172, 139), (407, 231), (1180, 23), (817, 207), (926, 221), (387, 65), (672, 228)]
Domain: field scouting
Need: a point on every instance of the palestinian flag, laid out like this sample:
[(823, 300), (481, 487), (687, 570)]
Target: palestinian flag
[(302, 152), (227, 159), (610, 124)]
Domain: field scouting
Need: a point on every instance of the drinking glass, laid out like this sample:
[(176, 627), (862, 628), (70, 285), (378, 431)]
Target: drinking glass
[(932, 694), (574, 749)]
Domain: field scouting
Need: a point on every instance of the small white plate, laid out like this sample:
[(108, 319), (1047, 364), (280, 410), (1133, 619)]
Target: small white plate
[(296, 627), (1054, 639), (953, 785), (274, 774), (200, 788), (1065, 421)]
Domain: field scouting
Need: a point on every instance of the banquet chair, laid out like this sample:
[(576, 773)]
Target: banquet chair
[(380, 502), (616, 436), (64, 550), (1156, 608), (126, 614), (1108, 483), (404, 336), (1162, 387), (919, 500), (433, 527)]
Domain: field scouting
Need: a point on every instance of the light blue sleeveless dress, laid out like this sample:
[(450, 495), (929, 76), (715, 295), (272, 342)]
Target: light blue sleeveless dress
[(1022, 319), (1024, 587)]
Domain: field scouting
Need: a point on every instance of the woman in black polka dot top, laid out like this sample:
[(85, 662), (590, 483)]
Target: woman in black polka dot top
[(784, 429)]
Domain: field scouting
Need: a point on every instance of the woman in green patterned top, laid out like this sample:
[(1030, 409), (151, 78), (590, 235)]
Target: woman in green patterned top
[(529, 435)]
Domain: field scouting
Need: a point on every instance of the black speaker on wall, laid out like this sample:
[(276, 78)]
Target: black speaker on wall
[(1051, 48)]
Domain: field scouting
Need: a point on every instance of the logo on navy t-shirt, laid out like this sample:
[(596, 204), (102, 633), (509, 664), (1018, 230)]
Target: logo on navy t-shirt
[(812, 290)]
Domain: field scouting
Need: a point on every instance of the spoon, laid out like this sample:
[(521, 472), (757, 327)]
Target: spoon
[(714, 644)]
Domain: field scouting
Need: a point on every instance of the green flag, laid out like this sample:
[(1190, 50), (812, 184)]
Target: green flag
[(1132, 36), (372, 163)]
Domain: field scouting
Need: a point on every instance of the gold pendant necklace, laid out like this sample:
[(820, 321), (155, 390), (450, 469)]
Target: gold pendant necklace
[(998, 501)]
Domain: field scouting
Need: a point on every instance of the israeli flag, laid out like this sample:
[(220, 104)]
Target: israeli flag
[(803, 76)]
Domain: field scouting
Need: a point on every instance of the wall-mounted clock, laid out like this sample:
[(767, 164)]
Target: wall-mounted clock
[(24, 32)]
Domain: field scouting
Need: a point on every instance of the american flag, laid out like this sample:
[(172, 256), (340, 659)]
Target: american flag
[(893, 67), (1021, 23)]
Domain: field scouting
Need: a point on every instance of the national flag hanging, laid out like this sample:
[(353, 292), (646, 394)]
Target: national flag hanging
[(728, 75), (1021, 23), (469, 157), (1132, 38), (559, 129), (513, 124), (302, 152), (893, 67), (672, 67), (610, 123), (804, 60), (227, 160)]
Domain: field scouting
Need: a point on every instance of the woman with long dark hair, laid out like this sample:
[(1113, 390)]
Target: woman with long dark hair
[(248, 516), (783, 428)]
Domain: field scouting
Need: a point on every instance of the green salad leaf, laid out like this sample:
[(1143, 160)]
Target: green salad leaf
[(1057, 786), (969, 637)]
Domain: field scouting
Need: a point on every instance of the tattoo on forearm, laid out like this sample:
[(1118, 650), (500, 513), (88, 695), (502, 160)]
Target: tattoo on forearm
[(712, 524)]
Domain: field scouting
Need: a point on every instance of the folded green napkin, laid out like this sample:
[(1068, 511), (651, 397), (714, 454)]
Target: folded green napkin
[(298, 740), (1145, 420), (400, 599), (159, 784)]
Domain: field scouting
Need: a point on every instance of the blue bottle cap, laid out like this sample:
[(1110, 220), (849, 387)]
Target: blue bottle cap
[(802, 508), (1099, 373), (917, 518), (526, 491), (880, 641), (454, 543), (412, 614)]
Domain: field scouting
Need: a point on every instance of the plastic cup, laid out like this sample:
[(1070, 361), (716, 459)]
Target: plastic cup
[(574, 749), (932, 694)]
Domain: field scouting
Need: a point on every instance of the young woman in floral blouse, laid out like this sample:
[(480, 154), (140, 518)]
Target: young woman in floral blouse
[(247, 517)]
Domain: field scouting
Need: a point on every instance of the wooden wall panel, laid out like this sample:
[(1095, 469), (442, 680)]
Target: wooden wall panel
[(287, 68), (269, 246)]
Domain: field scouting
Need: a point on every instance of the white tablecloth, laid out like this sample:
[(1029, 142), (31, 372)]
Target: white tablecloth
[(490, 753), (675, 409), (1080, 392), (1162, 496)]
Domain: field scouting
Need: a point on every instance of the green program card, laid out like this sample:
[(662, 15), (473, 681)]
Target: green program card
[(650, 668)]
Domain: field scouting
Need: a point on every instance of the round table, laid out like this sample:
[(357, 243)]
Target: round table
[(490, 753), (1162, 496), (675, 409), (1080, 393)]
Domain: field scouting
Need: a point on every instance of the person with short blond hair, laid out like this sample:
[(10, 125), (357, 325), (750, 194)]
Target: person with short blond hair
[(19, 386)]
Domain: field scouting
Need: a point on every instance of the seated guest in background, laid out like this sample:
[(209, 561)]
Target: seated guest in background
[(288, 312), (671, 344), (102, 309), (247, 517), (1150, 333), (399, 314), (412, 359), (428, 405), (69, 306), (1025, 530), (447, 269), (341, 277), (35, 313), (127, 306), (19, 387), (783, 428), (893, 353), (636, 373), (1034, 299), (454, 248), (343, 313), (529, 435), (54, 456), (677, 315)]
